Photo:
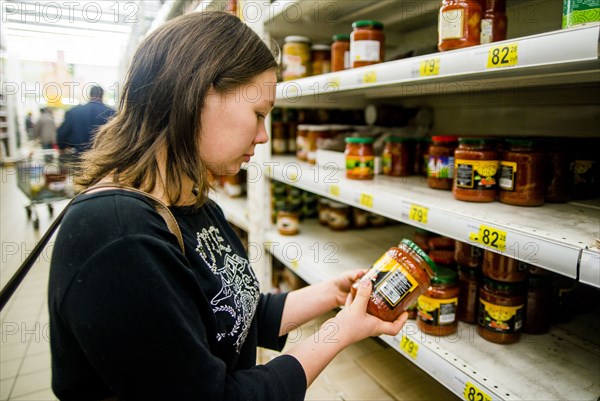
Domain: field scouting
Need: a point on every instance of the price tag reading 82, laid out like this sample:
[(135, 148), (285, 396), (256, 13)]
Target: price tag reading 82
[(366, 200), (503, 56), (472, 393), (490, 237), (409, 346)]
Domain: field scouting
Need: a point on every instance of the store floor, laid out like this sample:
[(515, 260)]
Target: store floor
[(24, 344)]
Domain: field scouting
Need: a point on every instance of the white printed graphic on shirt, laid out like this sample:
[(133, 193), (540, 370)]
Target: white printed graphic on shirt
[(238, 283)]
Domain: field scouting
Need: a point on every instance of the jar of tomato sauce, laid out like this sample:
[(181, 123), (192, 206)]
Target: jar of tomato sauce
[(522, 169), (459, 24), (340, 52), (360, 158), (367, 43), (503, 268), (320, 58), (501, 310), (468, 297), (440, 167), (538, 310), (494, 22), (399, 277), (475, 170), (397, 155), (302, 141), (468, 255), (439, 305)]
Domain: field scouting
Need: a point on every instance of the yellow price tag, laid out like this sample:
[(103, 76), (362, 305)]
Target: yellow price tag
[(472, 393), (334, 190), (293, 177), (366, 200), (409, 346), (503, 56), (294, 264), (333, 84), (430, 67), (418, 214), (489, 236), (370, 77)]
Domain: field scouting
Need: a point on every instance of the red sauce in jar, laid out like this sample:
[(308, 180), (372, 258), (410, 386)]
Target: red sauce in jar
[(440, 166), (503, 268), (501, 309), (340, 52), (475, 170), (438, 306), (459, 24), (399, 277), (522, 171), (360, 158), (367, 43)]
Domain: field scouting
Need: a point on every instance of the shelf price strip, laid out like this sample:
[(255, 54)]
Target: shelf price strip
[(366, 200), (490, 237), (370, 77), (503, 56), (429, 67), (409, 346), (334, 190), (472, 393), (418, 213)]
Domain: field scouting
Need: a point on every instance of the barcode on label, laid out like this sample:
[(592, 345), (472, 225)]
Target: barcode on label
[(395, 286)]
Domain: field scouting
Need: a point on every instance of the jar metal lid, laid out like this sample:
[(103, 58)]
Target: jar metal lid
[(502, 286), (367, 24), (422, 254), (444, 138), (320, 47), (352, 139), (296, 38), (341, 37), (443, 275), (476, 141)]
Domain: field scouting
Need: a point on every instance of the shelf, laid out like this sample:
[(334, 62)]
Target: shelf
[(554, 366), (235, 209), (562, 57), (552, 236)]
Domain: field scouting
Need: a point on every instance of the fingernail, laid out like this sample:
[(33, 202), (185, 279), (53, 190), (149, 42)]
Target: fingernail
[(365, 283)]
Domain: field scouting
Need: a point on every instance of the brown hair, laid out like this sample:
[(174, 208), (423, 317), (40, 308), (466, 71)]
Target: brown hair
[(166, 86)]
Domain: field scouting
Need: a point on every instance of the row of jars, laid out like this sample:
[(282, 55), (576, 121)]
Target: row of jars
[(363, 46)]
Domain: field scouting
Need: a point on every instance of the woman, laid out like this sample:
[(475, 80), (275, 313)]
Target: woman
[(134, 317)]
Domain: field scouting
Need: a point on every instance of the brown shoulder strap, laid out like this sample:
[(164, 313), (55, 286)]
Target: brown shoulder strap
[(159, 205)]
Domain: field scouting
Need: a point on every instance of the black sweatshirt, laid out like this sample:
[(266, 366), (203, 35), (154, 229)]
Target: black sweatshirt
[(131, 315)]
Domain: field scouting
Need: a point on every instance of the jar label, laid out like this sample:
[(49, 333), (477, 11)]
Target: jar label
[(360, 165), (501, 319), (279, 146), (508, 171), (452, 24), (293, 67), (394, 285), (476, 174), (365, 50), (440, 167), (436, 311), (486, 31), (386, 164)]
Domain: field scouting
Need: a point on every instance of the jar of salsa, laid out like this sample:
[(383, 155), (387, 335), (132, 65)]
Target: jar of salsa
[(468, 255), (360, 158), (494, 22), (397, 156), (338, 216), (323, 209), (440, 167), (366, 43), (421, 156), (321, 59), (438, 306), (558, 174), (316, 134), (399, 277), (279, 135), (296, 57), (302, 141), (522, 171), (475, 170), (340, 52), (538, 309), (501, 309), (288, 222), (503, 268), (459, 24), (468, 297)]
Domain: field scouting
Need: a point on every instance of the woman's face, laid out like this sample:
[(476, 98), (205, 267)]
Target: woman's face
[(233, 123)]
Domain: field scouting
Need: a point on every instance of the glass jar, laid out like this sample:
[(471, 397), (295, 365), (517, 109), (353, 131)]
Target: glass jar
[(563, 302), (296, 57), (586, 170), (439, 305), (320, 59), (501, 309), (558, 174), (442, 257), (459, 24), (360, 218), (399, 277), (340, 52), (316, 134), (521, 180), (438, 242), (468, 255), (469, 281), (338, 216), (440, 166), (539, 304), (360, 158), (397, 156), (376, 220), (503, 268), (323, 209), (279, 135), (580, 13), (367, 43), (421, 156), (302, 142), (288, 222), (494, 22), (475, 170)]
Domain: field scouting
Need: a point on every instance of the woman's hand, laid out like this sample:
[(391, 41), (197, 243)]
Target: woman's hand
[(341, 285), (354, 323)]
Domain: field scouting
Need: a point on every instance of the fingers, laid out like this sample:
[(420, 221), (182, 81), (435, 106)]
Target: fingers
[(349, 300), (363, 294), (393, 328)]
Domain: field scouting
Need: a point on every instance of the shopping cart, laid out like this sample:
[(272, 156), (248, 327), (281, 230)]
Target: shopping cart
[(43, 178)]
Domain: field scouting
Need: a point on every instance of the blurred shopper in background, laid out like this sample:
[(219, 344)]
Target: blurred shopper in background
[(82, 122), (136, 314), (29, 125), (44, 129)]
